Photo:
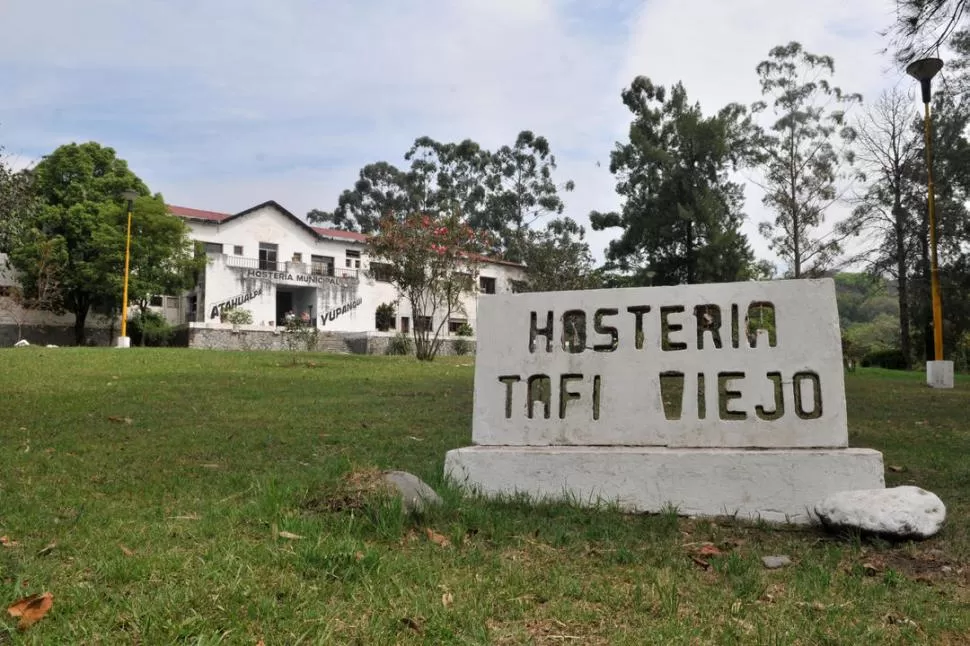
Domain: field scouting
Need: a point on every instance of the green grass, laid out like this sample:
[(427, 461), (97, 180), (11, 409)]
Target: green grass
[(166, 528)]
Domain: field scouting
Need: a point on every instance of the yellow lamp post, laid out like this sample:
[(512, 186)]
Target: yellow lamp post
[(939, 373), (124, 341)]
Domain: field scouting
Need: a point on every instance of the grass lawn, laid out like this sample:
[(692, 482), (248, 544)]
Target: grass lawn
[(167, 481)]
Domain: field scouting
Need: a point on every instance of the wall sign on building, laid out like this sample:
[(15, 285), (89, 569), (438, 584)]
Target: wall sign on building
[(337, 311), (283, 276), (235, 301)]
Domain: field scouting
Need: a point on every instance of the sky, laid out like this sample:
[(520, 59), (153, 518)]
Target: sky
[(286, 100)]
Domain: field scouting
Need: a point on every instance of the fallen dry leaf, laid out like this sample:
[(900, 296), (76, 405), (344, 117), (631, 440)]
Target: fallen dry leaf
[(709, 550), (120, 420), (701, 562), (896, 468), (7, 542), (358, 556), (447, 599), (290, 535), (126, 551), (436, 538), (260, 643), (47, 550), (31, 609)]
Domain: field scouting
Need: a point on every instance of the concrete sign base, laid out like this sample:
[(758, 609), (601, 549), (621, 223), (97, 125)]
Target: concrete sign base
[(775, 485), (939, 374)]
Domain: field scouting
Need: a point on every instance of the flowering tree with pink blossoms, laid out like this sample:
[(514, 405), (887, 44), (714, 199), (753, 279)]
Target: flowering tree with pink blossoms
[(433, 260)]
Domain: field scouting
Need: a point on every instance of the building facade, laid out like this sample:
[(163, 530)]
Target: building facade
[(272, 263)]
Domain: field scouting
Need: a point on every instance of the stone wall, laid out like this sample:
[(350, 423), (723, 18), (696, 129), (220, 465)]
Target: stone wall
[(377, 343), (52, 335), (224, 337)]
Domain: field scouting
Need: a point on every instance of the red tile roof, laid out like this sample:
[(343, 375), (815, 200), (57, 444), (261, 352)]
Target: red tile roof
[(337, 233), (197, 214)]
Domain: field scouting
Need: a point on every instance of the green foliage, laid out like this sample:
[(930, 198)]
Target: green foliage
[(400, 344), (150, 329), (84, 217), (465, 330), (18, 203), (237, 316), (505, 192), (462, 347), (385, 317), (891, 359), (803, 154), (557, 258), (299, 335), (681, 216)]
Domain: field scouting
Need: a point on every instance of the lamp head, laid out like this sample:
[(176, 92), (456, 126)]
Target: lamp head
[(923, 70), (129, 194)]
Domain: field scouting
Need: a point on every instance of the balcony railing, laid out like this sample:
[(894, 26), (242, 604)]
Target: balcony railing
[(313, 269)]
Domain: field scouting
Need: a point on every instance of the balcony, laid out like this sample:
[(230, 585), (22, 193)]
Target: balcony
[(295, 268)]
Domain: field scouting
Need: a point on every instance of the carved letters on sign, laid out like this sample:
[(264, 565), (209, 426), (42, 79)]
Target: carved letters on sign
[(736, 364)]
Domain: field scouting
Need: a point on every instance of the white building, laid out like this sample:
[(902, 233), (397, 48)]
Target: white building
[(270, 262)]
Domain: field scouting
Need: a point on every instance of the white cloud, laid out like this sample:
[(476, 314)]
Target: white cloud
[(286, 100)]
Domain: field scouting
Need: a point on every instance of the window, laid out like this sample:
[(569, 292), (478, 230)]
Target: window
[(171, 302), (212, 247), (267, 255), (381, 271), (487, 284), (464, 279), (321, 265), (298, 257), (237, 250), (155, 301), (353, 258), (405, 325), (422, 323), (456, 325)]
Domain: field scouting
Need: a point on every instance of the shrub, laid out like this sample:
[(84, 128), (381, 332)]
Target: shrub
[(400, 344), (891, 359), (238, 317), (465, 330), (150, 329), (384, 317), (299, 335), (462, 347)]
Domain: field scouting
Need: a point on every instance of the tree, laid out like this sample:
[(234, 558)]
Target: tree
[(17, 201), (951, 175), (804, 154), (521, 191), (922, 27), (39, 286), (889, 155), (558, 258), (681, 216), (432, 261), (501, 192), (84, 216)]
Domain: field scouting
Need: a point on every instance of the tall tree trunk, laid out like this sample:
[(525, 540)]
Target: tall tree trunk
[(903, 279), (80, 315)]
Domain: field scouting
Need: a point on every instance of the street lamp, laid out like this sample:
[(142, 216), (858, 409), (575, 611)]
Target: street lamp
[(123, 340), (650, 274), (939, 373)]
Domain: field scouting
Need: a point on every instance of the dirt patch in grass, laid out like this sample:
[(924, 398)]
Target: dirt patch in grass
[(354, 491)]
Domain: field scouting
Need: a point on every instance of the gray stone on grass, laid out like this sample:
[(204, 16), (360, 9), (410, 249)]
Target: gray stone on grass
[(415, 494), (775, 562), (898, 512), (22, 343)]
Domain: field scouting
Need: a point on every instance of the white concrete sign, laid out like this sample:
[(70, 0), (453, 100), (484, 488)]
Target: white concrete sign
[(717, 399), (720, 365)]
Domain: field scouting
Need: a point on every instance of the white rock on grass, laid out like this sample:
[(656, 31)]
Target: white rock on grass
[(22, 343), (415, 493), (901, 512)]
